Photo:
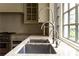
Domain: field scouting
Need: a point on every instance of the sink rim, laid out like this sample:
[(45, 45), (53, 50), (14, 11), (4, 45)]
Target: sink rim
[(39, 40), (39, 43)]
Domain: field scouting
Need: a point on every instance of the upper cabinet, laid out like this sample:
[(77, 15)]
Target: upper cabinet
[(31, 13), (43, 11), (11, 7)]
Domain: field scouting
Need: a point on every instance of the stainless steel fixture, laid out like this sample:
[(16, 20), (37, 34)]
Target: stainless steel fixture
[(55, 33), (39, 41), (37, 49), (37, 46)]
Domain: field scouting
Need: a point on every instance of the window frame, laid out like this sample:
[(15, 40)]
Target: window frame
[(76, 24)]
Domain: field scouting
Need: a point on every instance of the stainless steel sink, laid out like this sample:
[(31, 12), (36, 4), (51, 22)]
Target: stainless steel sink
[(38, 41), (37, 49)]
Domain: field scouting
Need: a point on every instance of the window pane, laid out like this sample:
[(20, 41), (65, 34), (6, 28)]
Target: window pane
[(78, 14), (72, 16), (72, 5), (78, 33), (66, 31), (72, 33), (66, 18), (65, 7)]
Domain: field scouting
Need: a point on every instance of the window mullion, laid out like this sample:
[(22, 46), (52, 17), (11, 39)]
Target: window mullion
[(68, 22), (76, 20)]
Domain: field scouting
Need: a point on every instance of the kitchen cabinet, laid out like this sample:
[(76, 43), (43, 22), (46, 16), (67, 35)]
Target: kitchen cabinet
[(17, 39), (5, 45), (11, 7), (31, 13), (43, 12)]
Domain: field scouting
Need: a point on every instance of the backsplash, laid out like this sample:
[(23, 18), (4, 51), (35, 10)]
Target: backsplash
[(14, 22)]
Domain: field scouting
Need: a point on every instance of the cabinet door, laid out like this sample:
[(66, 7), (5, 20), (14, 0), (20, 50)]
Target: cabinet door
[(43, 12), (30, 13), (11, 7)]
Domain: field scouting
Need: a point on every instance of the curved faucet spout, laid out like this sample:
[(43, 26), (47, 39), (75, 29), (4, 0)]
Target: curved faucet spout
[(45, 23)]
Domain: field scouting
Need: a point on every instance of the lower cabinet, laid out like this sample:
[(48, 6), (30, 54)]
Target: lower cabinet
[(4, 48), (5, 43), (15, 43), (17, 39)]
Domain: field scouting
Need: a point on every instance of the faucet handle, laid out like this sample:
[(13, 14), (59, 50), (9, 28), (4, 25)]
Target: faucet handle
[(56, 44), (53, 40)]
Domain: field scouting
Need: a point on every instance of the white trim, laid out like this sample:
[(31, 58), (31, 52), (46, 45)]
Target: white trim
[(70, 43)]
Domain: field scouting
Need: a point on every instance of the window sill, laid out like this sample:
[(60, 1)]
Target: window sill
[(70, 43)]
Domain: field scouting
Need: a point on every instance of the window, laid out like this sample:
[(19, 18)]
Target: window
[(65, 7), (78, 32), (71, 22), (72, 16), (66, 31), (71, 5), (78, 14), (30, 12), (72, 33), (66, 18)]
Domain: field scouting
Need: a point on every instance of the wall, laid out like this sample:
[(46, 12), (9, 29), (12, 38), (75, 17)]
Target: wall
[(11, 7), (43, 12), (14, 22), (55, 15), (51, 18)]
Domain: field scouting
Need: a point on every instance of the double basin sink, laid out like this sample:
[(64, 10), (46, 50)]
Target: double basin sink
[(37, 46)]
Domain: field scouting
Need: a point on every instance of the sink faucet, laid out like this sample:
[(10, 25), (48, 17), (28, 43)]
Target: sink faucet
[(53, 26), (56, 44), (45, 23), (43, 26), (55, 33)]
